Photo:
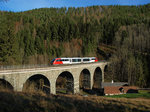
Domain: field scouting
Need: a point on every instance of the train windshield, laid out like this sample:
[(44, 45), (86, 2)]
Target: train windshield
[(53, 60), (93, 58)]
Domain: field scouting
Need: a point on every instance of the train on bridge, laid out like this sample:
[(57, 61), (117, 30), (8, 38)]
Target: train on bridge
[(73, 60)]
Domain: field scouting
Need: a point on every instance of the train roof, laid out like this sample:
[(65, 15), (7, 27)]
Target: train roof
[(77, 57)]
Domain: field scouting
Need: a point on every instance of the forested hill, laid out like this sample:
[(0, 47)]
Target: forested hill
[(41, 34), (118, 33)]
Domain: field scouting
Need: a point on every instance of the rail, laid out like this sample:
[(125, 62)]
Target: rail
[(12, 67)]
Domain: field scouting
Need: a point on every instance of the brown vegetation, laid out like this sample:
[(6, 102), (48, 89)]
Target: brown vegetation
[(75, 103)]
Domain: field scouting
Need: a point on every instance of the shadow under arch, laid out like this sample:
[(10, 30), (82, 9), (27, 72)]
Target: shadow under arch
[(36, 83), (106, 68), (5, 85), (65, 83), (97, 78), (85, 80), (107, 74)]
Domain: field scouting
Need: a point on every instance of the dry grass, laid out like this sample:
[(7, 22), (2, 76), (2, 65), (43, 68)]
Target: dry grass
[(18, 102)]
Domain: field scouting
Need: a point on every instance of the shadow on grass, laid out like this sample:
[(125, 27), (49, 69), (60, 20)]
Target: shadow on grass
[(94, 91), (132, 91)]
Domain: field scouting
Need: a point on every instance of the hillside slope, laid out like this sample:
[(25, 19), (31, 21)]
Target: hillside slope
[(19, 102)]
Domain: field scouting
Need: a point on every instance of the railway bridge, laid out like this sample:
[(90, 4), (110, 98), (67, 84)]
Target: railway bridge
[(52, 79)]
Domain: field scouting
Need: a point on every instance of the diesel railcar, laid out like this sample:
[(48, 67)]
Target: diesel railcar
[(73, 60)]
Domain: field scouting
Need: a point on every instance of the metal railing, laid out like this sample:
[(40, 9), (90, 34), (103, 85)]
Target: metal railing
[(27, 66), (12, 67)]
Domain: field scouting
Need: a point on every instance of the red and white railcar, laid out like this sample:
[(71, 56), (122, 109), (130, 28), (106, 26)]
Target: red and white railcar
[(73, 60)]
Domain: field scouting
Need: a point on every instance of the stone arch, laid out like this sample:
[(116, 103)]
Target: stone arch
[(107, 76), (97, 78), (37, 82), (5, 85), (65, 83), (85, 79)]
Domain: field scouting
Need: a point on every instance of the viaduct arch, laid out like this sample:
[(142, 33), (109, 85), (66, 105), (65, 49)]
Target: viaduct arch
[(97, 78), (46, 79), (37, 82), (65, 83), (85, 79)]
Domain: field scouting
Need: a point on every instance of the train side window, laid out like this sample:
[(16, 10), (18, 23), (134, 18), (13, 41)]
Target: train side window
[(76, 60), (73, 60), (79, 60), (66, 59), (86, 59)]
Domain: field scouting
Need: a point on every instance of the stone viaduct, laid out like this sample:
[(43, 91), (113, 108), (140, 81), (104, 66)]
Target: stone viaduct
[(19, 77)]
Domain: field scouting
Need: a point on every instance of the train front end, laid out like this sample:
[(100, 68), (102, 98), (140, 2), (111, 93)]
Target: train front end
[(56, 61)]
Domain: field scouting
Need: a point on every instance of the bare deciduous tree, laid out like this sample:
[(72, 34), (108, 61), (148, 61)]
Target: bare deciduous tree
[(132, 44)]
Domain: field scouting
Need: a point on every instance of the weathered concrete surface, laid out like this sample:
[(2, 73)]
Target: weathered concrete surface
[(17, 78)]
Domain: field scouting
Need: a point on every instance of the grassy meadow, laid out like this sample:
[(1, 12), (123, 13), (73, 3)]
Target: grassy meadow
[(142, 94)]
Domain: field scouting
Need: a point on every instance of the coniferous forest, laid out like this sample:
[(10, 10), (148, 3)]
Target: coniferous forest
[(119, 34)]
